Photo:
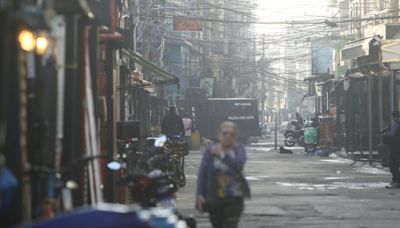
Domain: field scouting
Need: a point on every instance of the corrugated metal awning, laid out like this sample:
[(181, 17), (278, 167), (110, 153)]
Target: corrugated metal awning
[(166, 77)]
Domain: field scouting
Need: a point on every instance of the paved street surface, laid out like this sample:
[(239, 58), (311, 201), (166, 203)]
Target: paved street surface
[(302, 191)]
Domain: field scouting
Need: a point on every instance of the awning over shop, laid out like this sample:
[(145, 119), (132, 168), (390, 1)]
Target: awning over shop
[(167, 77), (356, 49), (391, 51)]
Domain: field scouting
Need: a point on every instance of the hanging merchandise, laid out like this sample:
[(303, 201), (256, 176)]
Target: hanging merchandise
[(92, 145)]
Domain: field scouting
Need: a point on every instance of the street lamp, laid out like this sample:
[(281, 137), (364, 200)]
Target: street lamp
[(30, 41), (26, 39), (42, 44)]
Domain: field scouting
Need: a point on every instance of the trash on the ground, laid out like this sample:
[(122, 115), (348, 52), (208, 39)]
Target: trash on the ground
[(285, 151)]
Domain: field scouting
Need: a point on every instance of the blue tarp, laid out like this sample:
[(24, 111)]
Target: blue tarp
[(106, 215)]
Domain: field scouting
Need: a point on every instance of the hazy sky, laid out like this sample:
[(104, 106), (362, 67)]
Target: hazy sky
[(282, 10), (288, 10)]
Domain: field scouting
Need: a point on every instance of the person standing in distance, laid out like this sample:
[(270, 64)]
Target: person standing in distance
[(393, 139), (172, 124)]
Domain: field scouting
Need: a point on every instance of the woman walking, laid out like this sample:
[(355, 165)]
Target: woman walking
[(221, 185)]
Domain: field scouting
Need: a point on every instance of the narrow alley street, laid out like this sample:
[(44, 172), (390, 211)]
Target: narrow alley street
[(296, 190), (101, 102)]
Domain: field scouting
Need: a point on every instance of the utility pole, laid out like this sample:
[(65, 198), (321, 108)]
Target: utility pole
[(263, 97), (276, 122)]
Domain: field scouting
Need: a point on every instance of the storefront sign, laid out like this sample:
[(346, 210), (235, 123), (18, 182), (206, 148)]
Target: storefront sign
[(240, 117), (187, 24)]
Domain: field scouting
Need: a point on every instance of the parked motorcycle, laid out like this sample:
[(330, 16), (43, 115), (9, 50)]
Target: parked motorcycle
[(168, 154), (155, 186), (178, 148), (293, 137), (154, 189)]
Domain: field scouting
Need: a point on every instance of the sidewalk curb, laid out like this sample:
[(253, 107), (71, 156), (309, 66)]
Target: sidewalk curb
[(340, 154)]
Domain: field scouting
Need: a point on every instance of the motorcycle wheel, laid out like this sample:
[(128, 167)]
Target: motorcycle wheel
[(290, 141)]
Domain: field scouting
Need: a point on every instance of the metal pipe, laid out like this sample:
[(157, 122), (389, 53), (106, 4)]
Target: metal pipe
[(109, 195), (110, 37), (93, 57), (370, 116), (113, 16), (122, 83), (90, 128), (59, 30)]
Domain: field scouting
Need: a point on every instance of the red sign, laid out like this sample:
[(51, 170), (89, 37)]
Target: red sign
[(187, 24)]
